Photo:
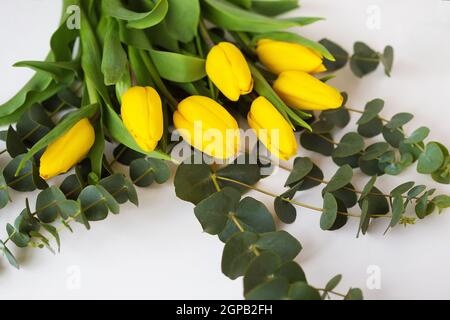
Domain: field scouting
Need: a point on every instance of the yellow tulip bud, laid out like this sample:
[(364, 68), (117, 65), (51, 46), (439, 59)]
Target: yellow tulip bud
[(207, 126), (272, 129), (280, 56), (69, 149), (228, 70), (142, 115), (302, 91)]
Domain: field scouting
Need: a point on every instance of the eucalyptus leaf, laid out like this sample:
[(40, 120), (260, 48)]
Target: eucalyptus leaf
[(302, 166), (371, 111), (364, 60), (251, 215), (340, 54), (342, 178), (213, 212), (329, 215), (431, 160), (317, 143), (351, 144)]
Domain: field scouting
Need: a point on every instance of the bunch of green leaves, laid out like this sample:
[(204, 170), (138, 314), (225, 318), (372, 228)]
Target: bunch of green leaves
[(392, 156), (364, 60), (254, 249), (340, 195)]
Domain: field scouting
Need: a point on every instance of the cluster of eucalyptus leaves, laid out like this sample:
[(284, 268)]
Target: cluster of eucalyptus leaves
[(163, 44)]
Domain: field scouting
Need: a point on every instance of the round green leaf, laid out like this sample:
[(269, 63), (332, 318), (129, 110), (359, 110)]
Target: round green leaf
[(418, 135), (317, 143), (399, 120), (302, 167), (213, 212), (303, 291), (372, 110), (330, 209), (431, 160), (193, 182), (24, 181), (351, 144), (342, 178), (93, 204), (47, 204), (252, 215)]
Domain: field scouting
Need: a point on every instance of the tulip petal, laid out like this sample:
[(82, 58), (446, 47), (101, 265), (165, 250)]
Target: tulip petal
[(143, 117), (272, 129), (303, 91), (219, 71), (239, 67), (72, 147), (280, 56), (207, 126)]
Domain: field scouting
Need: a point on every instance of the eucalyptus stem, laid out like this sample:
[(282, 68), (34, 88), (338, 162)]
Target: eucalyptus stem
[(386, 121), (333, 292), (173, 103), (300, 204), (232, 215)]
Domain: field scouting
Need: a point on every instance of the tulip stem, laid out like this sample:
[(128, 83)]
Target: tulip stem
[(205, 34), (173, 103)]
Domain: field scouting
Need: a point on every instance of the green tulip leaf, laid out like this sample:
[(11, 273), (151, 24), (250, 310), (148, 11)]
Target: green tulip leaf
[(137, 20), (231, 17)]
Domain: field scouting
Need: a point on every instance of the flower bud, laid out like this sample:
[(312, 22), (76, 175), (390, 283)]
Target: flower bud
[(143, 116), (272, 129), (279, 56), (228, 70), (207, 126), (302, 91), (69, 149)]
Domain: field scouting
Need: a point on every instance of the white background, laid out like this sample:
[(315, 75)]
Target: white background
[(158, 251)]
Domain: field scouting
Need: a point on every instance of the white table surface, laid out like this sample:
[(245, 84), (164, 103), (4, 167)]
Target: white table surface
[(158, 251)]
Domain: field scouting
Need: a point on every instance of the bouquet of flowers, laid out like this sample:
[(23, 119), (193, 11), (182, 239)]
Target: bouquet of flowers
[(224, 93)]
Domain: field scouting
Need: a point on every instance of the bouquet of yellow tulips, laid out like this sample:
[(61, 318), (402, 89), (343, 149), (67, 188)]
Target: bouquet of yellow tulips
[(219, 90)]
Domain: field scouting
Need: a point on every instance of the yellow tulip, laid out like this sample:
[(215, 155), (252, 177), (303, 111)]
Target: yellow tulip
[(302, 91), (69, 149), (143, 116), (207, 126), (228, 70), (279, 56), (272, 129)]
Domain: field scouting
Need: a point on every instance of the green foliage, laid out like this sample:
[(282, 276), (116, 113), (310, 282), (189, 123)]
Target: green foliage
[(431, 160), (231, 17), (143, 172), (365, 60), (193, 182), (240, 250), (138, 20), (338, 53), (351, 144), (342, 178), (319, 143), (27, 178), (330, 209)]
